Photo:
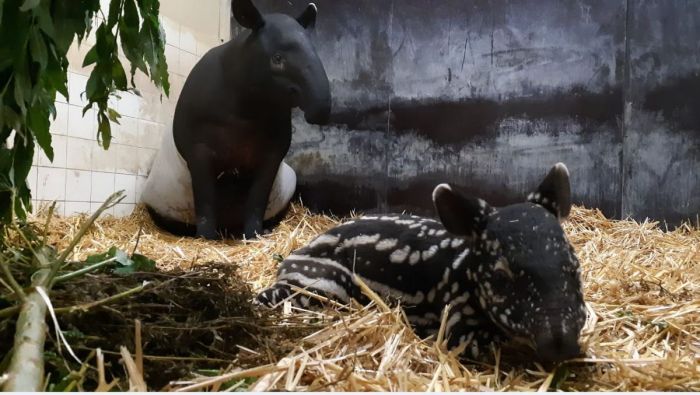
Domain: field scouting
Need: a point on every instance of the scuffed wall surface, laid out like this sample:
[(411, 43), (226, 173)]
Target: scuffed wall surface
[(662, 142), (489, 94)]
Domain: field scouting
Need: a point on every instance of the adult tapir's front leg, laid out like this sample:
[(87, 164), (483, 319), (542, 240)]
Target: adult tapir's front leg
[(258, 195), (204, 190)]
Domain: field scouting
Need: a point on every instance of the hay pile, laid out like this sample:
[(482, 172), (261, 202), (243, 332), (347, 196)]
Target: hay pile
[(642, 285)]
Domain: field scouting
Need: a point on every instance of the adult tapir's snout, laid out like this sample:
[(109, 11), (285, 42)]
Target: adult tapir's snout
[(315, 94)]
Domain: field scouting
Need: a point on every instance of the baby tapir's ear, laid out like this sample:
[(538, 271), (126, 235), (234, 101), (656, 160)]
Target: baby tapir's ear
[(246, 14), (461, 215), (308, 18), (554, 193)]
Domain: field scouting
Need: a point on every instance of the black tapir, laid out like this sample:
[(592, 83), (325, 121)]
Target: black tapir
[(221, 169), (508, 273)]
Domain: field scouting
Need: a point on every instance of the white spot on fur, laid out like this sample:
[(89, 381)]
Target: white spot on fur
[(359, 240), (431, 295), (320, 261), (399, 256), (444, 243), (328, 286), (455, 287), (429, 253), (325, 239), (386, 244), (414, 258), (457, 242), (454, 319), (460, 258), (467, 310)]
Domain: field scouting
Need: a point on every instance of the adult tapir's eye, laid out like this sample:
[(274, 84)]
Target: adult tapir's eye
[(277, 61)]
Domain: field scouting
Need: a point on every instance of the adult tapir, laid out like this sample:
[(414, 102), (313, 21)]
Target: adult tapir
[(220, 170)]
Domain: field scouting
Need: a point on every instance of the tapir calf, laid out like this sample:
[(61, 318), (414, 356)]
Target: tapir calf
[(220, 170), (507, 273)]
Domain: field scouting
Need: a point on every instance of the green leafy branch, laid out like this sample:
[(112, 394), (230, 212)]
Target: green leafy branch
[(35, 36)]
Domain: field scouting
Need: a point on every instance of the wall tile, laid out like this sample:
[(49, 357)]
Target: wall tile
[(77, 208), (32, 178), (78, 185), (146, 156), (51, 183), (187, 41), (140, 183), (95, 205), (126, 158), (126, 132), (79, 153), (43, 205), (150, 134), (59, 144), (172, 32), (79, 125), (187, 62), (123, 210), (127, 183), (76, 88), (60, 124), (102, 160), (172, 56), (102, 186), (130, 105)]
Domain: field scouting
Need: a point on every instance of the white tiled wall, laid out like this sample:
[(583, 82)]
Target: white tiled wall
[(82, 175)]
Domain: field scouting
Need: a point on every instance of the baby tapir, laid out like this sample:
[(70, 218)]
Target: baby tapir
[(508, 273)]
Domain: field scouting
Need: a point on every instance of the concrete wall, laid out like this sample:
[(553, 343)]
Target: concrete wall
[(489, 94), (82, 174)]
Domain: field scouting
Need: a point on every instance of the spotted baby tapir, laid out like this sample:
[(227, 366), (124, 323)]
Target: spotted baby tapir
[(507, 273)]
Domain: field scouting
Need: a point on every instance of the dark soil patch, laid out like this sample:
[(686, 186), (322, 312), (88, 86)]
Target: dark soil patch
[(192, 321)]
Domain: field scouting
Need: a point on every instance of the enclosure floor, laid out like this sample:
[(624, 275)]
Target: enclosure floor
[(641, 284)]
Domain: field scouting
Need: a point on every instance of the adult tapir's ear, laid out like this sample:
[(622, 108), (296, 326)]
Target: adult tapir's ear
[(246, 14), (461, 215), (554, 193), (308, 17)]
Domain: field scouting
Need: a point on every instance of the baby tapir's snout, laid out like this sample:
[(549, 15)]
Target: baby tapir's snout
[(505, 272)]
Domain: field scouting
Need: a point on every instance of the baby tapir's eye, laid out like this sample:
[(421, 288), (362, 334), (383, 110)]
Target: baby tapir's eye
[(277, 61), (501, 269)]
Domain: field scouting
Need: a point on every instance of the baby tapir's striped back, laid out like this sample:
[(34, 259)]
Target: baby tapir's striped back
[(507, 272), (402, 257)]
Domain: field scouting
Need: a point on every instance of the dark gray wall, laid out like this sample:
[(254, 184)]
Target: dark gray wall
[(490, 94)]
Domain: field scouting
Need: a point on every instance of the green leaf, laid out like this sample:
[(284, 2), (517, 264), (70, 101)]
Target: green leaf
[(114, 12), (38, 122), (119, 76), (143, 263), (121, 257), (104, 130), (113, 115), (37, 48), (28, 5), (91, 56)]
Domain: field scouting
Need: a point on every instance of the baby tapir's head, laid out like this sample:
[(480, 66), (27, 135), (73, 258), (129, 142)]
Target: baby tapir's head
[(527, 275)]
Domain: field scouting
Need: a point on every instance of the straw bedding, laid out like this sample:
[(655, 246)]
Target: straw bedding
[(642, 285)]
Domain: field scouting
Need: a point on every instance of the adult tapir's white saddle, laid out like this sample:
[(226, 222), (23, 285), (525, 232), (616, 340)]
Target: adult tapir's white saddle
[(168, 189)]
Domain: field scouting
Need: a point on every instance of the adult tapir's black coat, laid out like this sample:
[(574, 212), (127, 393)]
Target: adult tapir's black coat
[(232, 122)]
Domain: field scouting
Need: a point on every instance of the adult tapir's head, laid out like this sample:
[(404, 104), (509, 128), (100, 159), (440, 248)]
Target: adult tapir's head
[(527, 275), (281, 64)]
